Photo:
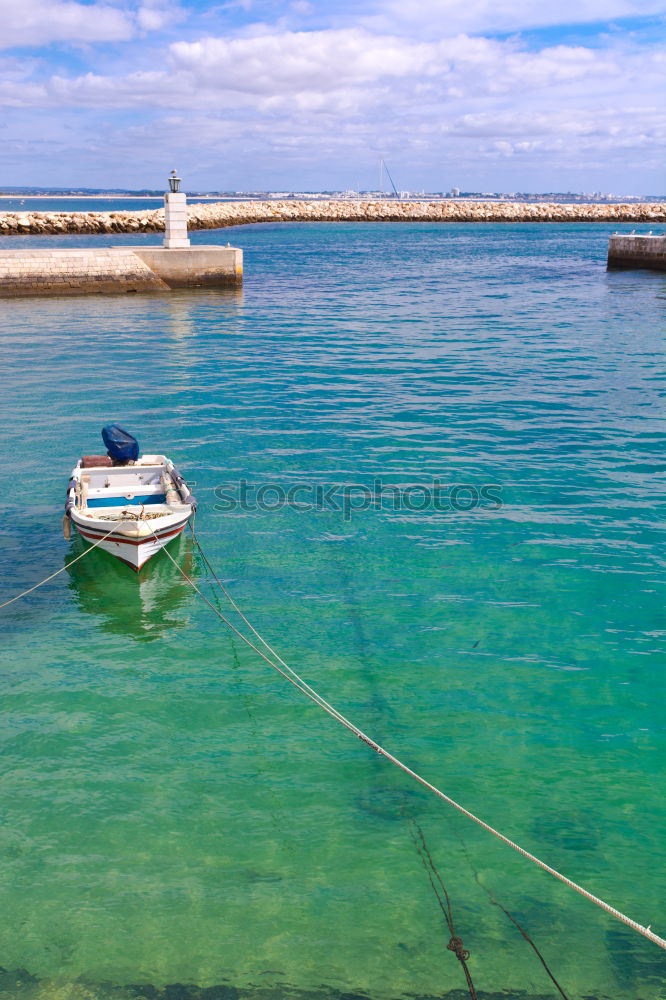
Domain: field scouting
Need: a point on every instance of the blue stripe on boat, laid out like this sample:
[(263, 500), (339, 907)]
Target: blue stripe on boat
[(124, 502)]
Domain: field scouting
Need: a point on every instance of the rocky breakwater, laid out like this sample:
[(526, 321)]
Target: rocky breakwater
[(219, 215), (62, 223)]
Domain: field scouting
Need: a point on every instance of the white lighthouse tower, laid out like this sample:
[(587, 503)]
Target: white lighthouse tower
[(175, 215)]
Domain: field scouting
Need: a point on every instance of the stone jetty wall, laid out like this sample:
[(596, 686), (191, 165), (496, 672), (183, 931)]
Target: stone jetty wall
[(100, 270), (645, 251), (218, 215), (74, 272)]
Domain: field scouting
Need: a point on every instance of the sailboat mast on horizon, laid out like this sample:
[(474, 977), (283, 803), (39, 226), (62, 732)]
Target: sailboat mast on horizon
[(382, 168)]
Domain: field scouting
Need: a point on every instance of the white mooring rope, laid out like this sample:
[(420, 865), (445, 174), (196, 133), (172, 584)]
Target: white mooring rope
[(289, 674), (62, 570)]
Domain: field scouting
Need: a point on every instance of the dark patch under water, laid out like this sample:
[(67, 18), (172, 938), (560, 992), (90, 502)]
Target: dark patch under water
[(19, 982)]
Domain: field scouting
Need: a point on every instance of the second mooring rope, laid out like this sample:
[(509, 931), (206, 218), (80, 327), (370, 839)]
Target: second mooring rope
[(61, 570), (289, 674)]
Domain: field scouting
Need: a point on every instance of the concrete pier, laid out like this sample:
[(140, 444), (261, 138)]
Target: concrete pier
[(113, 271), (634, 251), (194, 267)]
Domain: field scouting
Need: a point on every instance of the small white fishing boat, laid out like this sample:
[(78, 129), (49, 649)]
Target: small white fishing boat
[(142, 500)]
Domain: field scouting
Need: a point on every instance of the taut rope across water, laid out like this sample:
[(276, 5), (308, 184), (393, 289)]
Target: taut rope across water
[(297, 681), (290, 675)]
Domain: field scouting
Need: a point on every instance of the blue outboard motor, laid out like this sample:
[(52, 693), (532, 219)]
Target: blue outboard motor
[(122, 447)]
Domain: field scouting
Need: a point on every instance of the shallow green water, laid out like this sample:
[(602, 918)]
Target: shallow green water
[(172, 812)]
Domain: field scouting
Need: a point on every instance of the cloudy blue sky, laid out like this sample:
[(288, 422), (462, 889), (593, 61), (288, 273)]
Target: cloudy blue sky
[(510, 95)]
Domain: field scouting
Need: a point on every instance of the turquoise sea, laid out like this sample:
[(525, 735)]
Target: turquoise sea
[(177, 823)]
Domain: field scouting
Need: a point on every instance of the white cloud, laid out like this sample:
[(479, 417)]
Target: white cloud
[(351, 72), (315, 65), (39, 22), (297, 61), (436, 17), (306, 97), (43, 22), (520, 131), (154, 15)]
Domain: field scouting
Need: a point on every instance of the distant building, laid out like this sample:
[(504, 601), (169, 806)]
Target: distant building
[(455, 192)]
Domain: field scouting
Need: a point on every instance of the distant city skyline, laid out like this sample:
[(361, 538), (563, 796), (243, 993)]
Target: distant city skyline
[(265, 95), (10, 193)]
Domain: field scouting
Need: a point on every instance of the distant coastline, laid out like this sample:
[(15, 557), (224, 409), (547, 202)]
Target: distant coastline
[(97, 197), (220, 215)]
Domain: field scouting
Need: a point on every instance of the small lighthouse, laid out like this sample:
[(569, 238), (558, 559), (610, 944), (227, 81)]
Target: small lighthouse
[(175, 215)]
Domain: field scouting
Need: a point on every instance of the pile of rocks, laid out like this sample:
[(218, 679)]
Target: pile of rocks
[(218, 215), (58, 223)]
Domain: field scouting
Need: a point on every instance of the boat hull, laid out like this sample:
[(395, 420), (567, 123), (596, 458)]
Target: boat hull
[(135, 552), (130, 510)]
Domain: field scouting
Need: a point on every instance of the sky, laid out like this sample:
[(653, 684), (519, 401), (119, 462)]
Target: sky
[(482, 95)]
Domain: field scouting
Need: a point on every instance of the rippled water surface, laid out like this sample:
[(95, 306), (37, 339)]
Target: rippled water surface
[(172, 811)]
